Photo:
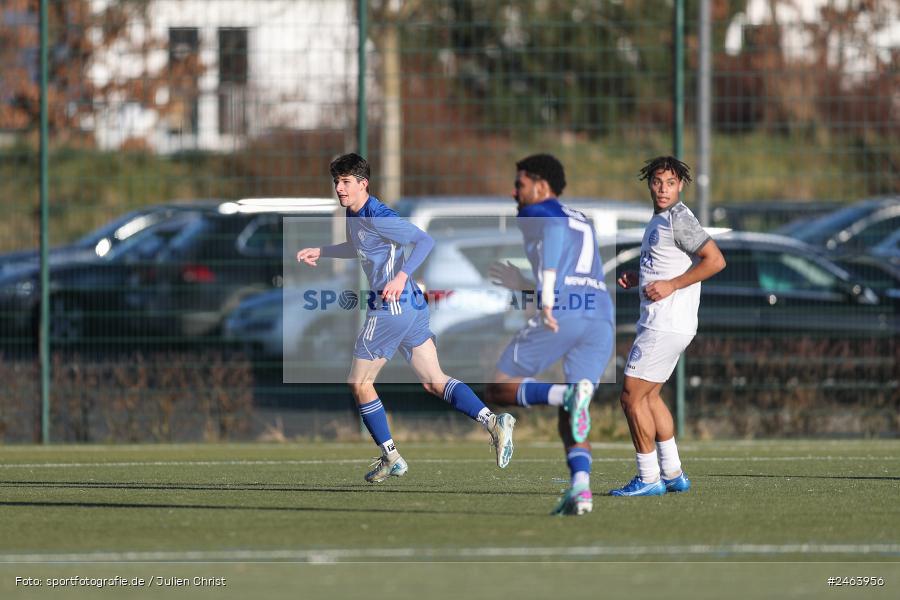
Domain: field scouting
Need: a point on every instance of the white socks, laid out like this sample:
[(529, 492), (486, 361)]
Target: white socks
[(581, 478), (484, 417), (389, 449), (648, 467), (669, 461), (556, 394)]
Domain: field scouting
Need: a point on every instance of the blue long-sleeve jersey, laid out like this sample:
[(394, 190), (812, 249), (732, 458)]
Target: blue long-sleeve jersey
[(377, 235), (560, 238)]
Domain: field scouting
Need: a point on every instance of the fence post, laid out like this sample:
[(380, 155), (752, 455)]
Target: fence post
[(678, 150), (44, 335), (362, 119)]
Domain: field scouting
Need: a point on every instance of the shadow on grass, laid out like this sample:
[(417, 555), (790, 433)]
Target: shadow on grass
[(261, 487), (847, 477), (298, 509)]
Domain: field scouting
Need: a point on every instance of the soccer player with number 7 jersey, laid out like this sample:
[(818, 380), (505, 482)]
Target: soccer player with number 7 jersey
[(575, 322)]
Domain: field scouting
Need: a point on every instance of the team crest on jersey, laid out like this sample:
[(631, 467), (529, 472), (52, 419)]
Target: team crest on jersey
[(654, 237), (635, 355), (361, 234)]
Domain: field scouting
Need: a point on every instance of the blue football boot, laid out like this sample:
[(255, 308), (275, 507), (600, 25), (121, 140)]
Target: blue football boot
[(637, 487), (679, 484)]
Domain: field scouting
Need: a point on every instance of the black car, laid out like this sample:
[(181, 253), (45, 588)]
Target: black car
[(881, 273), (771, 283), (850, 230), (769, 215), (91, 296), (224, 257), (105, 238)]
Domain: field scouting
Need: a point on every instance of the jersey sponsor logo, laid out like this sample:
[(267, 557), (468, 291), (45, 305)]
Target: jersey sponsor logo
[(654, 237), (584, 281)]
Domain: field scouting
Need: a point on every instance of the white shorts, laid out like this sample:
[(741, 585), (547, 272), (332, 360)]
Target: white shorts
[(654, 354)]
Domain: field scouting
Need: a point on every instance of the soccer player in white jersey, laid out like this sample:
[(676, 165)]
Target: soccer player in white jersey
[(676, 255), (397, 317)]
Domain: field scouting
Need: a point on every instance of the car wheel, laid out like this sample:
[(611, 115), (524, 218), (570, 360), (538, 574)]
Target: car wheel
[(68, 320)]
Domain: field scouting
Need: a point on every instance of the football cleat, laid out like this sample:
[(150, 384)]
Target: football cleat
[(679, 484), (577, 401), (501, 429), (637, 487), (577, 500), (385, 467)]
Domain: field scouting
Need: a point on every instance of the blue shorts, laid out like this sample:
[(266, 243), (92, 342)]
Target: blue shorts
[(584, 345), (384, 333)]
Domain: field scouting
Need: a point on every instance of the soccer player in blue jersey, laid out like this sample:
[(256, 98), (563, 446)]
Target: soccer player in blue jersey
[(575, 323), (397, 317)]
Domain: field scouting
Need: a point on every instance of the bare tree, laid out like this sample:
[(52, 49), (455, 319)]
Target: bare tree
[(80, 33)]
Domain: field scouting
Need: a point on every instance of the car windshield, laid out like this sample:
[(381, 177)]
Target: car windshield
[(148, 242), (130, 223), (784, 272), (818, 231)]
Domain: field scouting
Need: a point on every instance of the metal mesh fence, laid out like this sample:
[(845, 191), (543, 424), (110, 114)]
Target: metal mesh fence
[(164, 114)]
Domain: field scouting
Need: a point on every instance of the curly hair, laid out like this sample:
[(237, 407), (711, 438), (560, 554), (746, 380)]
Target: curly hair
[(546, 167), (666, 163)]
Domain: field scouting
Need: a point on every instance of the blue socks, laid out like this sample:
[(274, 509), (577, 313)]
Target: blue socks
[(533, 393), (462, 398), (375, 419), (579, 461)]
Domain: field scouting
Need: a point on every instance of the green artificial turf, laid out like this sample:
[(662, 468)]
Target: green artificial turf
[(760, 516)]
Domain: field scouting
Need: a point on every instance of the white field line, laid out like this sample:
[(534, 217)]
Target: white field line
[(463, 554), (349, 461)]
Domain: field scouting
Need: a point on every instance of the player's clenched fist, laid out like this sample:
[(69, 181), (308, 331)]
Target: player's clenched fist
[(628, 279), (309, 256)]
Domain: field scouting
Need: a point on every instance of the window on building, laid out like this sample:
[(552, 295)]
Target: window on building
[(233, 75)]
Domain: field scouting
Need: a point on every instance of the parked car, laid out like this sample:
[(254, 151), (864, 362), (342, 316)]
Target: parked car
[(880, 273), (457, 214), (850, 230), (768, 216), (772, 283), (229, 254), (260, 324), (105, 238), (90, 295), (888, 248)]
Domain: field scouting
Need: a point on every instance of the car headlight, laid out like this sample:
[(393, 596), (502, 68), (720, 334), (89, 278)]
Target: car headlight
[(20, 289)]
